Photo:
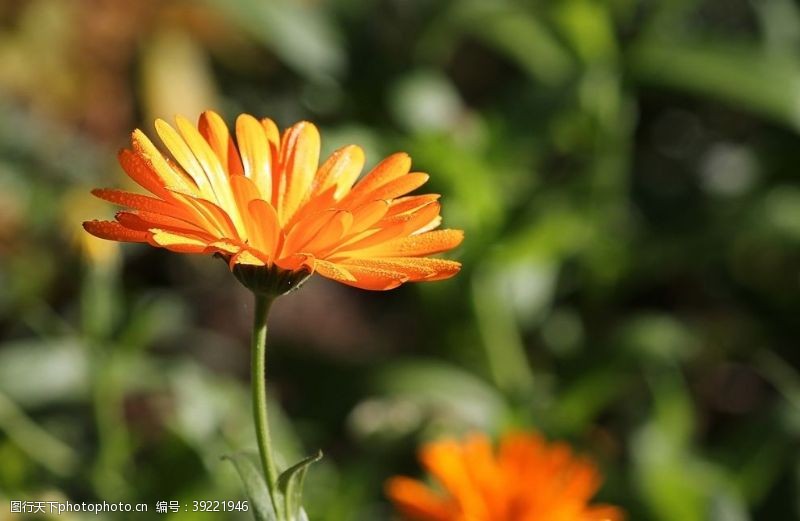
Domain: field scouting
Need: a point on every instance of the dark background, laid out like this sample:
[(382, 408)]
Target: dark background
[(625, 172)]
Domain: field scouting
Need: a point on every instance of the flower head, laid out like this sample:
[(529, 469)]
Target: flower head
[(263, 200), (526, 479)]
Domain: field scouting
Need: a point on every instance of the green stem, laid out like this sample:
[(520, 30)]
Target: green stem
[(98, 315), (258, 368)]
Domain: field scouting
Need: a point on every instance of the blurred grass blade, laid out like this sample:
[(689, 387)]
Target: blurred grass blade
[(176, 76), (590, 28), (780, 23), (43, 372), (48, 451), (255, 486), (739, 74), (290, 483), (442, 387), (784, 377), (297, 33), (582, 401), (517, 33), (501, 336)]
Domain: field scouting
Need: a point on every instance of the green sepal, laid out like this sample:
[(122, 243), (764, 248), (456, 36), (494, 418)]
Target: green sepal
[(270, 281), (254, 485), (290, 485)]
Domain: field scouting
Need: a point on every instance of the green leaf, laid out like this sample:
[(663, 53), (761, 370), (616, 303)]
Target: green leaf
[(520, 35), (589, 27), (300, 35), (740, 74), (437, 387), (290, 484), (35, 441), (254, 485), (62, 371)]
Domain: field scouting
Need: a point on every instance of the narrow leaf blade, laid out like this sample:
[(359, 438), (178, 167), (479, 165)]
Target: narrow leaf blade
[(254, 485), (290, 484)]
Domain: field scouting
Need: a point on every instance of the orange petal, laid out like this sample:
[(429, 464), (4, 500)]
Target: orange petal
[(305, 230), (216, 133), (297, 261), (224, 246), (400, 186), (330, 234), (411, 270), (414, 220), (410, 203), (146, 221), (368, 215), (417, 502), (244, 192), (341, 170), (315, 205), (374, 278), (416, 245), (367, 240), (142, 172), (444, 268), (299, 159), (424, 219), (396, 226), (210, 167), (138, 202), (486, 474), (603, 513), (416, 268), (267, 230), (170, 177), (249, 257), (209, 216), (333, 271), (393, 167), (177, 242), (273, 135), (445, 461), (256, 156), (185, 158), (114, 231)]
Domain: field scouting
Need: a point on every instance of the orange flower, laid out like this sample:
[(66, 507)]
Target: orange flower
[(264, 201), (526, 480)]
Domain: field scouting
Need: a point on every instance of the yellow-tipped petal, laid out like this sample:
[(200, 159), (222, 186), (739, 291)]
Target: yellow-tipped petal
[(423, 244), (136, 201), (114, 231), (212, 169), (172, 178), (256, 157), (374, 278), (216, 133), (261, 200), (333, 271), (268, 229), (299, 160), (142, 172), (177, 242), (331, 233), (273, 136), (341, 170), (183, 155), (392, 168), (410, 203)]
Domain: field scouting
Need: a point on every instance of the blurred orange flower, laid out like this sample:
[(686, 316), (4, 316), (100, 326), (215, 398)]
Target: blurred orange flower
[(264, 200), (527, 479)]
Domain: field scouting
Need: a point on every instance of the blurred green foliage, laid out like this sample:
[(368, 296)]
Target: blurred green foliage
[(626, 175)]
